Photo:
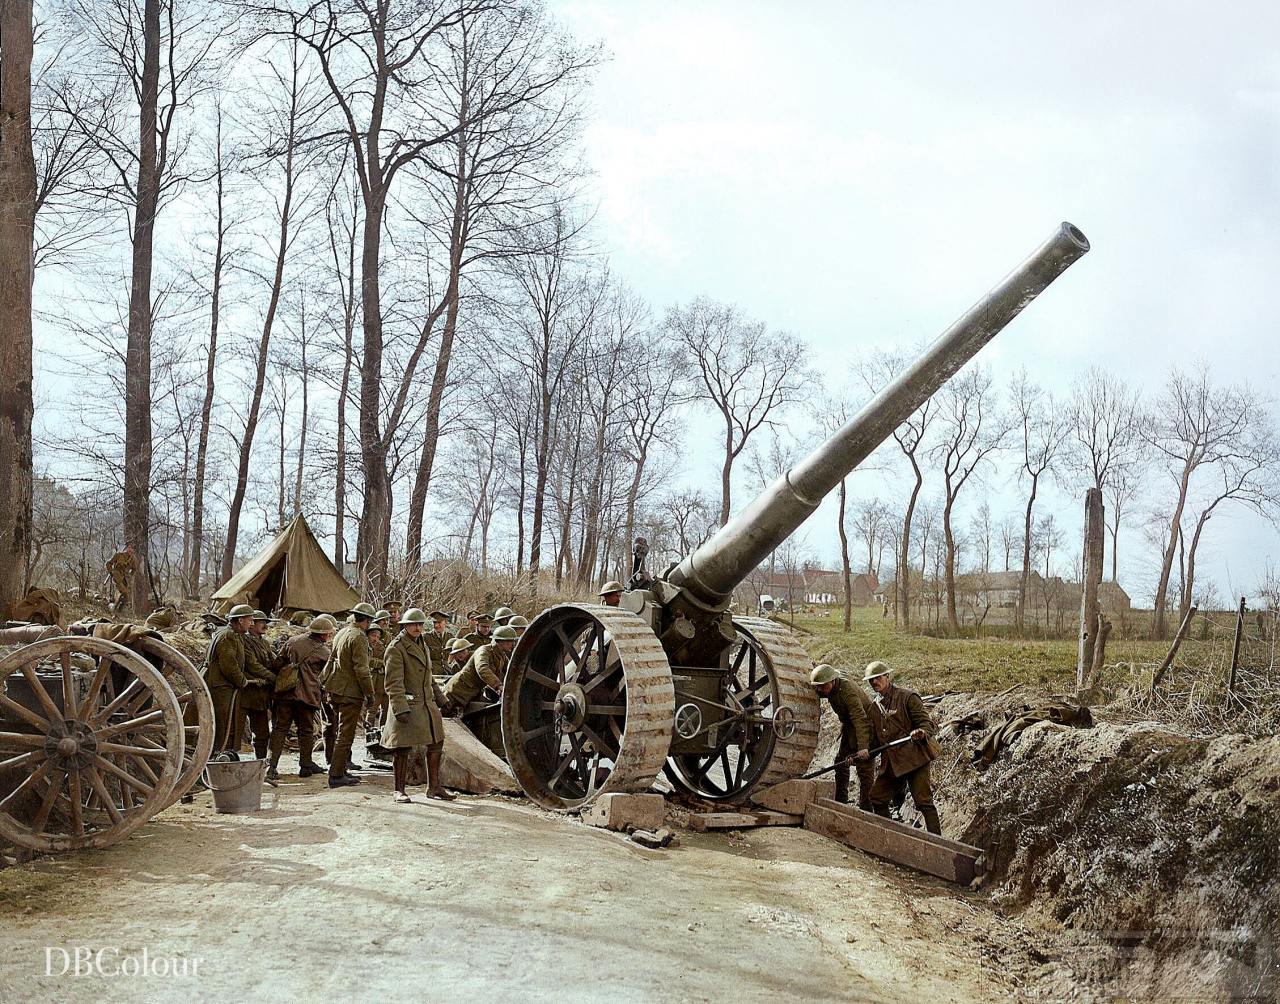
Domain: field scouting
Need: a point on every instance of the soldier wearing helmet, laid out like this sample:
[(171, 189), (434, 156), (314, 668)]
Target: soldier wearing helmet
[(611, 593), (255, 698), (851, 705), (347, 685), (897, 714), (224, 674), (486, 668), (413, 707), (457, 653), (298, 694)]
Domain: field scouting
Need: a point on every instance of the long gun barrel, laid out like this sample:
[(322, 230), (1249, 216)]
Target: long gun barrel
[(727, 558)]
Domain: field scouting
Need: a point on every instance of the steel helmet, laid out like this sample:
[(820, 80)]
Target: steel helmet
[(258, 615), (822, 674), (503, 614), (382, 615), (364, 610), (518, 622), (414, 615), (239, 610), (612, 586), (458, 645), (324, 624), (505, 632), (877, 668)]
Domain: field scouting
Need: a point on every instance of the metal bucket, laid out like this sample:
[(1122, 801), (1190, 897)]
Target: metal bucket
[(236, 785)]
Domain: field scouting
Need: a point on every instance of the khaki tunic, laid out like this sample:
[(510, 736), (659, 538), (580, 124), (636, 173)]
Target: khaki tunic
[(435, 645), (411, 688), (893, 716), (224, 665), (259, 670), (851, 705), (479, 640), (310, 655), (347, 676), (485, 667)]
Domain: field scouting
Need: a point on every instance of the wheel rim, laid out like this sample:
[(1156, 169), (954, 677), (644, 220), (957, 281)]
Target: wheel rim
[(87, 755), (196, 707), (587, 706)]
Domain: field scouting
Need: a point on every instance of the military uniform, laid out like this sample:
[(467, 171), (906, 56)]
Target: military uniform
[(224, 676), (486, 667), (122, 567), (436, 643), (851, 704), (411, 688), (377, 672), (255, 698), (298, 696), (347, 684), (895, 715)]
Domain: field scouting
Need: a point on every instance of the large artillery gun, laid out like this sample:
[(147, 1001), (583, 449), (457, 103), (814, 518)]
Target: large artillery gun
[(601, 699)]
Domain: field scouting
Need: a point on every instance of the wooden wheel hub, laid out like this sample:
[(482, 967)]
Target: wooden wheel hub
[(571, 707), (70, 745)]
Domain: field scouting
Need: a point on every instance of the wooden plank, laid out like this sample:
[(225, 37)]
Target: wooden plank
[(854, 829), (703, 821), (892, 824), (468, 765)]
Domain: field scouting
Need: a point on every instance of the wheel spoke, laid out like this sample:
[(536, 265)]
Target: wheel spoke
[(95, 688), (157, 752), (41, 819), (32, 779), (540, 680), (21, 740), (108, 803), (76, 796), (123, 775), (602, 676), (42, 695), (35, 756), (575, 744), (133, 724), (599, 743), (572, 650), (117, 703), (26, 714), (145, 767), (538, 733), (606, 709), (68, 688)]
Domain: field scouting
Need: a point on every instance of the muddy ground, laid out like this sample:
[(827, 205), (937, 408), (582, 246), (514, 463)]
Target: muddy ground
[(342, 894)]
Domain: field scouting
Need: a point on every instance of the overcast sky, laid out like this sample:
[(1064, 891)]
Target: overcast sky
[(859, 173)]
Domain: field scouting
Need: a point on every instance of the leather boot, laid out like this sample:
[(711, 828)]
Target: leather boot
[(842, 785), (931, 821), (272, 773), (434, 788)]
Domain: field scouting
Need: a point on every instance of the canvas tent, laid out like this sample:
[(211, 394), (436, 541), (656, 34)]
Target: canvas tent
[(290, 573)]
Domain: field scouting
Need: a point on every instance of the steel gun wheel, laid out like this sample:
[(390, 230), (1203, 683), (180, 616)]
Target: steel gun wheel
[(196, 705), (91, 744), (765, 723), (587, 705)]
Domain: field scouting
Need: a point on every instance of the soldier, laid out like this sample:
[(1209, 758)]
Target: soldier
[(895, 714), (414, 701), (851, 705), (486, 667), (480, 633), (255, 698), (347, 685), (520, 624), (457, 653), (393, 621), (298, 694), (376, 706), (224, 674), (611, 593), (503, 615), (438, 638), (122, 567)]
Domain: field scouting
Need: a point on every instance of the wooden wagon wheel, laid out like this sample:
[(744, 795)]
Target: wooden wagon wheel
[(86, 755), (197, 710)]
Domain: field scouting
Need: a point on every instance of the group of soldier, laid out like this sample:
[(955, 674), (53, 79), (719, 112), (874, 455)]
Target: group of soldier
[(379, 666), (892, 722)]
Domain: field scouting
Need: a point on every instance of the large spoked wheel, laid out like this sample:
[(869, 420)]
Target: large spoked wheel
[(91, 741), (772, 730), (196, 706), (587, 706)]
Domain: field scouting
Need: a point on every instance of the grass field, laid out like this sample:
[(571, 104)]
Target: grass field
[(982, 664)]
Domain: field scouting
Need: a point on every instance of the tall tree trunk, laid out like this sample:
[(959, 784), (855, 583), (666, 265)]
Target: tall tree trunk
[(17, 239), (344, 388), (845, 568), (904, 573), (137, 376), (302, 437), (726, 473), (949, 569), (281, 412), (1019, 614), (206, 407), (1158, 627), (374, 538), (540, 484)]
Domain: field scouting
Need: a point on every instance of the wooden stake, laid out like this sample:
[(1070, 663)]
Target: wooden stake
[(1235, 651), (1094, 538), (1183, 628)]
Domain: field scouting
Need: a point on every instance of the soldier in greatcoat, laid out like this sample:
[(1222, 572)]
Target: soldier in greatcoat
[(224, 674), (413, 707), (897, 713)]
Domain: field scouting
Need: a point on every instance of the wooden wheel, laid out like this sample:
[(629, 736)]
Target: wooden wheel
[(587, 705), (197, 710), (773, 729), (91, 742)]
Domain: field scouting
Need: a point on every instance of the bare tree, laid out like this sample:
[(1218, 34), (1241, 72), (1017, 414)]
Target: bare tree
[(1218, 445), (17, 243), (743, 372), (1043, 431), (981, 532), (876, 372), (971, 431), (1106, 425)]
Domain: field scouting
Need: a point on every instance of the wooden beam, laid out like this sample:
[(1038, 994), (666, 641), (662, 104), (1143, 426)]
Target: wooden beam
[(703, 821), (894, 841)]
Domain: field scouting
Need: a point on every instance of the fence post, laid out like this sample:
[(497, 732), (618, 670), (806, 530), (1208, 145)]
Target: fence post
[(1235, 652)]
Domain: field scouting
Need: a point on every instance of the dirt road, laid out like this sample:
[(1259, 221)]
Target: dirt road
[(334, 895)]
